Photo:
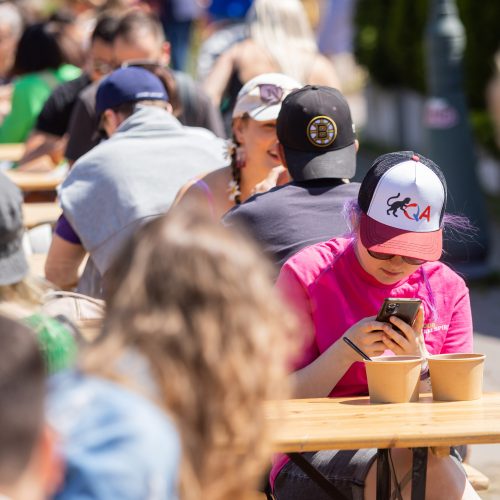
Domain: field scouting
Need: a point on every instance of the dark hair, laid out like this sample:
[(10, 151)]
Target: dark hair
[(63, 16), (128, 108), (105, 28), (235, 163), (42, 46), (22, 390), (140, 22)]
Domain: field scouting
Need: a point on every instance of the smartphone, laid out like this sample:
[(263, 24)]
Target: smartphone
[(405, 309)]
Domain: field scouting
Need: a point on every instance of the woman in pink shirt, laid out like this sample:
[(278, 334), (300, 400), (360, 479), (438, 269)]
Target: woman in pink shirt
[(337, 288)]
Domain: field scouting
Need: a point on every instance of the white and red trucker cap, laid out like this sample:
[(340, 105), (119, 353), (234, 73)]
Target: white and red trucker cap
[(403, 198)]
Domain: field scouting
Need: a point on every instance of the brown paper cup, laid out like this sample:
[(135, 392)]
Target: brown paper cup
[(456, 377), (393, 379)]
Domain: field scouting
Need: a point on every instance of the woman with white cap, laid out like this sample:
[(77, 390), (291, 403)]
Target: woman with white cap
[(255, 162), (338, 286)]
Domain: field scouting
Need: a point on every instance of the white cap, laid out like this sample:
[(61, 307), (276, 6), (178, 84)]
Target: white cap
[(409, 196), (250, 101)]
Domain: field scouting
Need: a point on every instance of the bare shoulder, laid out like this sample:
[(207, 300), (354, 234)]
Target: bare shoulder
[(201, 189), (218, 181)]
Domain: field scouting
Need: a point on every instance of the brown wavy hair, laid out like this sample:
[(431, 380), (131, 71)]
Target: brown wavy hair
[(198, 302)]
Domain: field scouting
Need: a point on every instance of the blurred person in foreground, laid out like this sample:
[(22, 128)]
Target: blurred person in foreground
[(139, 40), (127, 179), (21, 293), (208, 346), (50, 133), (29, 465), (255, 162)]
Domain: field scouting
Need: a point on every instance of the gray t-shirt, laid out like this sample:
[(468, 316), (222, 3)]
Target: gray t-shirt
[(131, 178)]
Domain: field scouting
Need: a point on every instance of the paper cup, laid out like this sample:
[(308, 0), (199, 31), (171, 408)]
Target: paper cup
[(393, 379), (456, 377)]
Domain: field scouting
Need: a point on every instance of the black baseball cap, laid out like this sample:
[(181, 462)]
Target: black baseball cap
[(317, 133)]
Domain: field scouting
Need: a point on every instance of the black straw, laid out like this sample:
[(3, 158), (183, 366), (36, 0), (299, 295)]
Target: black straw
[(350, 343)]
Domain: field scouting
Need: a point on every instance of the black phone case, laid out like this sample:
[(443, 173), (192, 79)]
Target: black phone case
[(401, 308)]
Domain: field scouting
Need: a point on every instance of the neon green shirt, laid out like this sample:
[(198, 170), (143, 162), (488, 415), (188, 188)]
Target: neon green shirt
[(28, 97)]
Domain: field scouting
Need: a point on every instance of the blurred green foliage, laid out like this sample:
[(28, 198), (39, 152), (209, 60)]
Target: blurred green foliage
[(390, 44), (389, 41)]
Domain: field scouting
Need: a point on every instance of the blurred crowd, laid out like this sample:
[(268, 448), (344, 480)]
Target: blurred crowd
[(205, 145)]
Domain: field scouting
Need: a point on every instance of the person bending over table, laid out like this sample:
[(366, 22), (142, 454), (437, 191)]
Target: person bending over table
[(338, 286)]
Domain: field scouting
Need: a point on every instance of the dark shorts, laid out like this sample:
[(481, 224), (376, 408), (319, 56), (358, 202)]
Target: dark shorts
[(346, 469)]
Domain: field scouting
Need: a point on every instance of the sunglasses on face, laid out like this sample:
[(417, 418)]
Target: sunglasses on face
[(102, 67), (387, 256), (142, 63)]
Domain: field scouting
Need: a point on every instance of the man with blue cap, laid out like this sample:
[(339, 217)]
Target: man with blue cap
[(127, 179)]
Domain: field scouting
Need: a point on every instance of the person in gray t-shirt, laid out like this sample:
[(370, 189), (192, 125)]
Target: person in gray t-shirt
[(126, 180)]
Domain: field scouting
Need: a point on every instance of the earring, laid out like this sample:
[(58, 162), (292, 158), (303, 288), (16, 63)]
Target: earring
[(241, 157)]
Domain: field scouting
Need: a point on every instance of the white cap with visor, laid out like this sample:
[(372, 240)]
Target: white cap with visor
[(261, 97)]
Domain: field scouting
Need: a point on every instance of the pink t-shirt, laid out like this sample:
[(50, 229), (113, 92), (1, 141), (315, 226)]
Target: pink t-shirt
[(330, 291)]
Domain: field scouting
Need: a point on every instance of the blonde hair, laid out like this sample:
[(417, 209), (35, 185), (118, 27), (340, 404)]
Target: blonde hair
[(28, 292), (199, 304), (282, 28)]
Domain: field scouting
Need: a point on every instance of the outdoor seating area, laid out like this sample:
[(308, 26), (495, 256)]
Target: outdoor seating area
[(249, 249)]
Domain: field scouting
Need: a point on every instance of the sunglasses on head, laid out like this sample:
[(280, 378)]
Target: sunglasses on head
[(270, 93), (387, 256)]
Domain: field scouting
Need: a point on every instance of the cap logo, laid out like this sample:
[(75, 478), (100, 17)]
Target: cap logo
[(322, 131), (403, 205)]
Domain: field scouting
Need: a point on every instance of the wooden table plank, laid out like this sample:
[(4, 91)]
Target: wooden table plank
[(12, 152), (352, 423), (37, 181), (39, 213)]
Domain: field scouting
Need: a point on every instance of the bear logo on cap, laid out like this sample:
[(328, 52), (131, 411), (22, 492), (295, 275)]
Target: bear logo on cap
[(322, 131)]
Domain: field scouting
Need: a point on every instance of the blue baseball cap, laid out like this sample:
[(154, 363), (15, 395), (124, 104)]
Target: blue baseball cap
[(128, 85)]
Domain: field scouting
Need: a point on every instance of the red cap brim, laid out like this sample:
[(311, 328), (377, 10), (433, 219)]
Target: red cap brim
[(387, 239)]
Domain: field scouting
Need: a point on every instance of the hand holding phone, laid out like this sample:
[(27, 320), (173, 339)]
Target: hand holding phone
[(404, 309)]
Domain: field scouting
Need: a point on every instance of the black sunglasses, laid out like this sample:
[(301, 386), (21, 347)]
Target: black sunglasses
[(387, 256), (142, 63)]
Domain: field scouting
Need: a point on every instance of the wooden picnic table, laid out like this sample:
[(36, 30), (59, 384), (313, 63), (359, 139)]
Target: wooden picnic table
[(12, 152), (39, 213), (36, 181), (351, 423)]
